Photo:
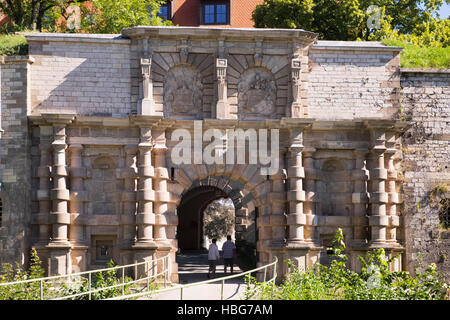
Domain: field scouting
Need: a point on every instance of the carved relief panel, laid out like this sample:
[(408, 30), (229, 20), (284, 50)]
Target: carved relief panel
[(256, 94), (183, 93)]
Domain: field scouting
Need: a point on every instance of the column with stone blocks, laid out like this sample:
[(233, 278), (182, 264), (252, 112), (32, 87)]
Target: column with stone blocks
[(309, 204), (145, 218), (145, 246), (301, 246), (162, 196), (128, 217), (378, 220), (296, 219), (59, 247), (78, 198), (393, 195), (43, 193), (360, 198)]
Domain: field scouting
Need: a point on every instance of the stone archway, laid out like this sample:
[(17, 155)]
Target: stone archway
[(190, 213), (194, 200)]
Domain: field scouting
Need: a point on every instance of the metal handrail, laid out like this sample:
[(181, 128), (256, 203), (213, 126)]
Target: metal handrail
[(182, 287), (165, 271)]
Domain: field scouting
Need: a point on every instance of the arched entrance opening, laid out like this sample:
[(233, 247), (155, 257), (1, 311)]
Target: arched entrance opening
[(193, 236), (190, 232)]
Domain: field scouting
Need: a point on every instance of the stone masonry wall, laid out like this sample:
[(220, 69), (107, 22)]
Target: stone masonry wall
[(15, 154), (88, 78), (348, 84), (426, 149)]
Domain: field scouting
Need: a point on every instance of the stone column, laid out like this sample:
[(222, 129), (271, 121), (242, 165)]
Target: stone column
[(310, 197), (78, 197), (393, 196), (43, 193), (59, 247), (145, 246), (360, 198), (162, 196), (296, 219), (59, 194), (145, 218), (222, 106), (378, 220), (128, 217)]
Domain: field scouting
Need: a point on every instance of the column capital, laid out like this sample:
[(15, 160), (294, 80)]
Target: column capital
[(75, 147), (308, 152)]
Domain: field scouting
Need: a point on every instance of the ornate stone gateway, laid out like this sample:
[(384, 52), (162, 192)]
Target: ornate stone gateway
[(106, 128)]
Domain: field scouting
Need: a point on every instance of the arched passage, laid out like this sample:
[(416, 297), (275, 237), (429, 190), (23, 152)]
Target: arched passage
[(190, 210)]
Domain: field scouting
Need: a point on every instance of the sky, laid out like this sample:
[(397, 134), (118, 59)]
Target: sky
[(445, 11)]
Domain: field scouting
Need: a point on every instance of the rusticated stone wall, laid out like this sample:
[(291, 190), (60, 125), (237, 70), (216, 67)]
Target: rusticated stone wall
[(426, 148)]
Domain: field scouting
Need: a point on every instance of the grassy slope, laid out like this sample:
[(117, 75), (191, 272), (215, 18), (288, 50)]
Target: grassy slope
[(416, 57)]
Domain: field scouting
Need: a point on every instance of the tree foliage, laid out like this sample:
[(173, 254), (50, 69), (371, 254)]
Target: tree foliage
[(113, 16), (32, 14), (95, 16), (219, 219), (374, 282), (348, 19)]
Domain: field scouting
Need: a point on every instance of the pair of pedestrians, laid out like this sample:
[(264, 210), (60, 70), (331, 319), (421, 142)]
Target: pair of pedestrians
[(229, 251)]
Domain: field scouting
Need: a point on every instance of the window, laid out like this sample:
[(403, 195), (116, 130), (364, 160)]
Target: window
[(104, 250), (215, 12), (165, 11)]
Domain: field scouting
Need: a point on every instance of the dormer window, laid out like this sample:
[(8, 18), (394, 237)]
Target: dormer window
[(215, 12)]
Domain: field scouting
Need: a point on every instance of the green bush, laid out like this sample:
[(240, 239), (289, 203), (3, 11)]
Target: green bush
[(100, 280), (414, 56), (76, 285), (26, 291), (11, 45), (374, 282)]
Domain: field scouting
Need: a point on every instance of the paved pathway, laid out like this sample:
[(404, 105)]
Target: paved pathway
[(193, 267)]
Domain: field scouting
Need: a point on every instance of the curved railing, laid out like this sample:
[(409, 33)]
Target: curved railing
[(222, 280), (149, 273)]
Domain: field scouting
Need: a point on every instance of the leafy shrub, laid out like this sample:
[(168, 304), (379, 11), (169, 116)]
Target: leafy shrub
[(374, 282), (13, 45), (76, 285), (101, 280), (25, 291)]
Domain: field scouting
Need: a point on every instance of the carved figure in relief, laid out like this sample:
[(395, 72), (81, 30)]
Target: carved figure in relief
[(256, 93), (182, 91)]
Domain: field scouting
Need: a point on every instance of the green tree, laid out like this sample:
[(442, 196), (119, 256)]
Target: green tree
[(113, 16), (348, 19), (31, 14), (219, 219)]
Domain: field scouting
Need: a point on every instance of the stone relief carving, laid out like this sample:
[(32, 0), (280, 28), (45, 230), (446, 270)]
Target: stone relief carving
[(182, 91), (256, 93)]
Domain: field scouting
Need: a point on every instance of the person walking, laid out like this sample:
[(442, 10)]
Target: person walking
[(229, 251), (213, 257)]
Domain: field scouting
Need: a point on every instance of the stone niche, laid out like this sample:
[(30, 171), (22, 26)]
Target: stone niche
[(102, 184), (257, 94), (335, 188), (183, 91)]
